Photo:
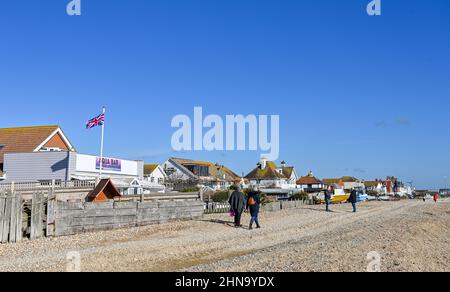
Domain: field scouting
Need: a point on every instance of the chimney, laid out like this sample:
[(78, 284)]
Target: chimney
[(283, 164), (263, 162)]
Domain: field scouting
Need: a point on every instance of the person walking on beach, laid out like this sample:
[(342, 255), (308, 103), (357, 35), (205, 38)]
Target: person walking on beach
[(353, 199), (237, 203), (435, 198), (328, 198), (253, 204)]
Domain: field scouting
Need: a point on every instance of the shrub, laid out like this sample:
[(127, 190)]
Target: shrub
[(372, 193), (300, 196), (220, 197), (191, 190), (233, 188)]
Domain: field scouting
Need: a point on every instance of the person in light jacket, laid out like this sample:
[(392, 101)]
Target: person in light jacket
[(253, 204), (237, 203)]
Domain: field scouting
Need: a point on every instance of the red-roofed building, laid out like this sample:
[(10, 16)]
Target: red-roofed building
[(311, 184)]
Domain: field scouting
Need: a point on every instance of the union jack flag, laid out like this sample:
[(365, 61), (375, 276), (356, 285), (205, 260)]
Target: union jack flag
[(97, 121)]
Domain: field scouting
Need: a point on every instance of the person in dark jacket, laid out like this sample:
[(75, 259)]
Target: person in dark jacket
[(237, 203), (328, 196), (353, 199), (253, 204)]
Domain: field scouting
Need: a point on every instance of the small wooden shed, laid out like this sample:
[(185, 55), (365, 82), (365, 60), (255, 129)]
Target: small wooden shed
[(104, 191)]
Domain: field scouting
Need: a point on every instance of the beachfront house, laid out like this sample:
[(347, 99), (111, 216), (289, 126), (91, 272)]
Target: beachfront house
[(346, 182), (154, 178), (31, 140), (186, 172), (310, 184), (377, 186), (267, 175), (44, 154)]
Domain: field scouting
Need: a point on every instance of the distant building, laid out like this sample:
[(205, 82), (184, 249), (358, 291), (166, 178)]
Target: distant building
[(155, 178), (202, 173), (310, 184), (444, 192), (268, 175), (44, 154), (377, 186), (345, 182), (31, 140)]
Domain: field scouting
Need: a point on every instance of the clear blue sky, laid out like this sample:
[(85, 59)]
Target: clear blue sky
[(357, 95)]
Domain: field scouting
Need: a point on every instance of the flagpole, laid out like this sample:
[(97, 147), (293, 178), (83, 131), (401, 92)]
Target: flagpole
[(101, 147)]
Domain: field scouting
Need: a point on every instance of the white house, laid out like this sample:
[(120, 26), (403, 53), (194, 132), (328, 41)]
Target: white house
[(201, 173), (268, 175), (377, 186), (311, 184), (154, 178)]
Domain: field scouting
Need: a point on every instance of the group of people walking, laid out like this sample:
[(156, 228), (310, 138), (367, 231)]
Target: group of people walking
[(252, 202), (353, 199), (240, 203)]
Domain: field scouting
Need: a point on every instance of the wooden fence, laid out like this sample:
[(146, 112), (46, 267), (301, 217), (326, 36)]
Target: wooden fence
[(213, 208), (19, 218), (35, 214)]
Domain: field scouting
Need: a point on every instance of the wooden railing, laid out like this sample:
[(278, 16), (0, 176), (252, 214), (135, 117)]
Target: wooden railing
[(161, 196), (32, 186), (213, 208)]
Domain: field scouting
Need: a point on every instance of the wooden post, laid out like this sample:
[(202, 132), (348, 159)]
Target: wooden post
[(51, 209), (19, 218), (2, 213), (6, 219), (13, 219), (37, 215)]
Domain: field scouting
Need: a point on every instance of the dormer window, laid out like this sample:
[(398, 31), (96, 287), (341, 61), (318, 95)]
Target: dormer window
[(2, 146)]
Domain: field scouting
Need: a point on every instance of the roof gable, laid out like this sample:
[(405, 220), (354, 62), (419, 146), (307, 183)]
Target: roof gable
[(270, 172), (150, 168), (30, 139), (216, 171)]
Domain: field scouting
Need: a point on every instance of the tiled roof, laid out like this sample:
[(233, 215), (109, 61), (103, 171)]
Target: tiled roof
[(331, 181), (349, 179), (270, 172), (344, 179), (150, 168), (25, 139), (287, 171), (190, 162), (372, 183), (309, 180), (215, 171)]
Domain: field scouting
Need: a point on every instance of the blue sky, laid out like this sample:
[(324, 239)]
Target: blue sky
[(357, 95)]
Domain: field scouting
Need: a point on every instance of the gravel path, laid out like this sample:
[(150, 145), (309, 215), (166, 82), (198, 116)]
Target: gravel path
[(408, 235)]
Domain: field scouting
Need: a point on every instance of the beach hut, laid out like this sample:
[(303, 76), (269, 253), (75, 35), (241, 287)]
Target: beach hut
[(104, 191)]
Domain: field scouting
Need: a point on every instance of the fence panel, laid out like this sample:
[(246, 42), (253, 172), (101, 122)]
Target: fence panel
[(37, 215), (2, 215), (215, 208)]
